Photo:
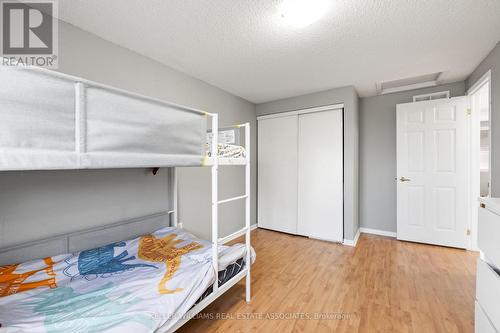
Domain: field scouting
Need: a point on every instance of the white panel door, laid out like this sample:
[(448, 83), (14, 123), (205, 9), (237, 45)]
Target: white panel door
[(320, 175), (277, 169), (432, 172)]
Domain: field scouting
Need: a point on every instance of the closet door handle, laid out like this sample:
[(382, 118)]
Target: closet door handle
[(404, 179)]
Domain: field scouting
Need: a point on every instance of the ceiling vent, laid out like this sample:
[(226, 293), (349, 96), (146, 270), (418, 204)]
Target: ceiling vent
[(416, 82), (432, 96)]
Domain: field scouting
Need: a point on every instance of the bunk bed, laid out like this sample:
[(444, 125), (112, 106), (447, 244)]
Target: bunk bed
[(102, 278)]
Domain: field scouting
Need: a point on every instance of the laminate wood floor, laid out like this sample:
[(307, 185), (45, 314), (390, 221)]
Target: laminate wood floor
[(382, 285)]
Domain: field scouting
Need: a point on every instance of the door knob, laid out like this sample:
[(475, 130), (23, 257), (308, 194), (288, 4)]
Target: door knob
[(404, 179)]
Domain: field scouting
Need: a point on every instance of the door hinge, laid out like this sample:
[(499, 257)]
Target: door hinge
[(468, 232), (468, 112)]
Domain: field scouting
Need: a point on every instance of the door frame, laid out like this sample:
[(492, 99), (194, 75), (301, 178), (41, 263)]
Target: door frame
[(474, 182)]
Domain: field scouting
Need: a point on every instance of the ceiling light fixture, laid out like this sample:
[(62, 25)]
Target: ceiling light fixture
[(301, 13)]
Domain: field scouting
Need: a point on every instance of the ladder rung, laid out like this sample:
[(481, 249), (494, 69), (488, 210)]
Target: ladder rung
[(233, 235), (233, 199)]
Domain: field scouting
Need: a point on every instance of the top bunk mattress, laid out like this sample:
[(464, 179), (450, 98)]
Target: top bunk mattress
[(50, 121), (130, 286)]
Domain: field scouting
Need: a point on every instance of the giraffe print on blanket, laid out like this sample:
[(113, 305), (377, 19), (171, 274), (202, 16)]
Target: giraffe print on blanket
[(165, 250)]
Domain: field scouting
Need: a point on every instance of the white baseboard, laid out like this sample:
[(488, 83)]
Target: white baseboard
[(378, 232), (352, 242)]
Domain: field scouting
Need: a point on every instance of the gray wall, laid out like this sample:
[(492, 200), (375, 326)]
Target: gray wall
[(349, 97), (377, 155), (492, 61), (40, 204)]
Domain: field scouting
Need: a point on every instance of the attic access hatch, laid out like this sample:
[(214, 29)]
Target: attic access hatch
[(416, 82)]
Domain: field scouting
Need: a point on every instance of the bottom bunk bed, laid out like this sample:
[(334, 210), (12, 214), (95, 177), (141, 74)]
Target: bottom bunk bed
[(149, 283)]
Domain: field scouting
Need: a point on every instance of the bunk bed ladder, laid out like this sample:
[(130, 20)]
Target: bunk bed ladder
[(216, 202), (215, 205)]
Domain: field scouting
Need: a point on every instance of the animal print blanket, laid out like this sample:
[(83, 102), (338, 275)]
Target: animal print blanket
[(129, 286)]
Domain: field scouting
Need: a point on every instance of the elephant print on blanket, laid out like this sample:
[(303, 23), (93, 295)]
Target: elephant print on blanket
[(165, 250), (12, 282), (102, 262)]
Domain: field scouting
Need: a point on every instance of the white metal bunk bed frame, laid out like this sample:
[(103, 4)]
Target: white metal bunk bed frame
[(214, 161)]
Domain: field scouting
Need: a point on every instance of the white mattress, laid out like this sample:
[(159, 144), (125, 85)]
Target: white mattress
[(128, 286)]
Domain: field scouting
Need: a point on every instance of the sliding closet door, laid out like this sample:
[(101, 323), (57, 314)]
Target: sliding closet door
[(277, 179), (320, 175)]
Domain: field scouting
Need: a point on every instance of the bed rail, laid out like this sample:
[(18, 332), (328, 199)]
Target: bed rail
[(247, 212), (66, 122), (215, 201)]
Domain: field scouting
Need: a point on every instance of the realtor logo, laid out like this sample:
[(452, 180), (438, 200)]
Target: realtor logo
[(29, 33)]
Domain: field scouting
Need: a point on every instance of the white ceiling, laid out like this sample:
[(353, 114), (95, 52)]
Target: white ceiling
[(246, 48)]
